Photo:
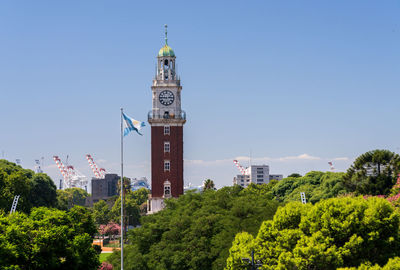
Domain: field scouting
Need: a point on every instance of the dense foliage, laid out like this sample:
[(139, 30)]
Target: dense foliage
[(316, 185), (48, 239), (373, 173), (132, 202), (101, 212), (195, 231), (68, 198), (34, 189), (393, 264), (333, 233), (208, 184)]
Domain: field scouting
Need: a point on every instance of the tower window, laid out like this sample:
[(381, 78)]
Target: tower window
[(166, 147), (166, 130), (167, 165), (166, 62), (167, 189)]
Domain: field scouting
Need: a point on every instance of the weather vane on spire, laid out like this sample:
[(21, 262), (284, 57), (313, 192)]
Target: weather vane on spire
[(166, 33)]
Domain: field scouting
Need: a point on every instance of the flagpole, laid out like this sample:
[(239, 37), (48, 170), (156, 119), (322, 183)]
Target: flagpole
[(122, 194)]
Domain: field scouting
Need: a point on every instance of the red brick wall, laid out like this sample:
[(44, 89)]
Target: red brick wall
[(175, 156)]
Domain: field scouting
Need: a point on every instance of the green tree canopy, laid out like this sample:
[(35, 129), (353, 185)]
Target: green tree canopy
[(316, 185), (34, 189), (43, 191), (101, 212), (338, 232), (132, 202), (195, 230), (68, 198), (208, 184), (47, 239), (373, 172)]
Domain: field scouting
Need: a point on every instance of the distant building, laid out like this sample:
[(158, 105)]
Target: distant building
[(104, 188), (191, 187), (256, 174), (139, 183), (275, 177)]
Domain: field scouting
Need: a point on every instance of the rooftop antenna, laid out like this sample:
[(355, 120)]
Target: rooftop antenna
[(166, 34)]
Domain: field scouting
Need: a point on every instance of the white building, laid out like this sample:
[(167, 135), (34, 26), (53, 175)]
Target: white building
[(256, 174)]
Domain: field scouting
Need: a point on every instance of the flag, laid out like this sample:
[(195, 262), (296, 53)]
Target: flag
[(131, 124)]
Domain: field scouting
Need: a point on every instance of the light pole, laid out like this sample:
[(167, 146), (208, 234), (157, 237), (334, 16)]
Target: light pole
[(250, 262)]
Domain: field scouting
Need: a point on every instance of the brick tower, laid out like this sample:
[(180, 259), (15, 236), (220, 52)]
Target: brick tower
[(166, 120)]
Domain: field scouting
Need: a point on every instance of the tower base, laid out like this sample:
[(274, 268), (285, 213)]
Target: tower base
[(154, 205)]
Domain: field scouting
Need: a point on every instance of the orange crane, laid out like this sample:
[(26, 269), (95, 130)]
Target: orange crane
[(98, 173), (242, 170), (72, 178), (331, 166)]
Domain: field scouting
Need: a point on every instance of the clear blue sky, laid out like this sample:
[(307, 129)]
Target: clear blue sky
[(297, 83)]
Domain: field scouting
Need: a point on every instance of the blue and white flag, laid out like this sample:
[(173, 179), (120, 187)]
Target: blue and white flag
[(131, 124)]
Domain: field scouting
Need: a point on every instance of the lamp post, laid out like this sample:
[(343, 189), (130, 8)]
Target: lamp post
[(250, 262)]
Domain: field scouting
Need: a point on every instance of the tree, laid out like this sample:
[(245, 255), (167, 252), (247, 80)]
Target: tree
[(208, 184), (101, 212), (132, 202), (83, 220), (105, 266), (110, 229), (34, 189), (373, 173), (195, 230), (295, 175), (140, 196), (43, 191), (316, 186), (131, 210), (46, 239), (68, 198), (393, 264), (18, 183), (338, 232)]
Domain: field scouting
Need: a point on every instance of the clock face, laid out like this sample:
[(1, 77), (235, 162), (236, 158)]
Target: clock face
[(166, 97)]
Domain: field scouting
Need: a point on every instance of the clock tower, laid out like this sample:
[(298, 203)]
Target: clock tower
[(166, 120)]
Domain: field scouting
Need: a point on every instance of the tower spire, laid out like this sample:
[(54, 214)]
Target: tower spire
[(166, 34)]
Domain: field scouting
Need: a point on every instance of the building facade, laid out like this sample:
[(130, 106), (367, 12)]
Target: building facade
[(104, 188), (255, 174), (166, 120)]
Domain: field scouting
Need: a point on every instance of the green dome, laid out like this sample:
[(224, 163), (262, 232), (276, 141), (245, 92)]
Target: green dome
[(166, 51)]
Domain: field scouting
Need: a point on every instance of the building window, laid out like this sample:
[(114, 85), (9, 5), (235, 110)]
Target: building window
[(166, 147), (167, 165), (166, 130)]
